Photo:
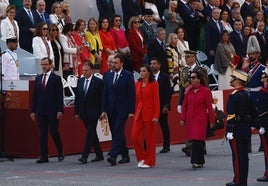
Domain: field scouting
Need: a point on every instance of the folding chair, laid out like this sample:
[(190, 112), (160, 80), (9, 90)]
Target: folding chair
[(68, 100)]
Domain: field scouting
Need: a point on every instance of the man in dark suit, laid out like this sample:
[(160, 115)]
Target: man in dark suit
[(247, 9), (262, 38), (157, 49), (88, 108), (238, 39), (105, 8), (191, 22), (41, 12), (118, 103), (27, 21), (165, 97), (161, 5), (130, 8), (227, 6), (213, 29), (47, 104)]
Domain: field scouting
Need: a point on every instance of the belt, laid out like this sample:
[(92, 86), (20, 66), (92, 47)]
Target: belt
[(256, 89)]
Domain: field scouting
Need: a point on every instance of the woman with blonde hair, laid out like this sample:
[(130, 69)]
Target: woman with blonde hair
[(56, 15), (138, 50), (9, 26), (92, 36)]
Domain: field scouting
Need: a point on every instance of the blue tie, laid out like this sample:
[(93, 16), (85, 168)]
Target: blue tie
[(31, 16)]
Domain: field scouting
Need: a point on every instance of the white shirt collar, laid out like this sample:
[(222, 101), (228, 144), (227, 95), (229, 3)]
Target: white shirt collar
[(156, 75)]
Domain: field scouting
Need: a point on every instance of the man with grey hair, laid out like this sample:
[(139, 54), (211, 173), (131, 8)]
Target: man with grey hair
[(157, 49), (41, 11)]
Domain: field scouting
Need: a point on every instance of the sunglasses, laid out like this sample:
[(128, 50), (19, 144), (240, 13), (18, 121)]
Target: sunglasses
[(193, 77), (117, 20), (135, 22), (45, 28)]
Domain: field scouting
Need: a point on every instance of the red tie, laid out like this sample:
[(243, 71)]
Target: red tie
[(44, 82)]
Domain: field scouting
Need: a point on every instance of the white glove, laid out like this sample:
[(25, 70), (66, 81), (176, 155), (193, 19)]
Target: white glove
[(229, 136), (179, 109), (261, 131)]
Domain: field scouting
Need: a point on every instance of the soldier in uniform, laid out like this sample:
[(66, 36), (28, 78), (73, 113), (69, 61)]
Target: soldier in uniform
[(254, 69), (190, 59), (10, 64), (262, 108), (241, 113)]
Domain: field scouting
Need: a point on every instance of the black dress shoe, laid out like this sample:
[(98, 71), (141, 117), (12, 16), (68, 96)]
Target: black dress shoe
[(42, 160), (263, 179), (187, 151), (82, 160), (196, 166), (165, 150), (97, 159), (61, 157), (124, 160), (112, 161)]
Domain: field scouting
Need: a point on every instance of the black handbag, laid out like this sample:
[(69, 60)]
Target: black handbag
[(219, 119)]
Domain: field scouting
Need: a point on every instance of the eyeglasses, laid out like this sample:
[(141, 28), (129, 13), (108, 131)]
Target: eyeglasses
[(193, 77), (45, 28), (135, 22), (117, 20), (55, 30)]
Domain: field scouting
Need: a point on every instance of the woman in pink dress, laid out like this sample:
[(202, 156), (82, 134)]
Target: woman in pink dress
[(107, 43)]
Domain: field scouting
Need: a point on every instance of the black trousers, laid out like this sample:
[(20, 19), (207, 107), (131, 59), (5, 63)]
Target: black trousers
[(239, 149), (163, 120), (92, 139), (49, 122), (197, 155)]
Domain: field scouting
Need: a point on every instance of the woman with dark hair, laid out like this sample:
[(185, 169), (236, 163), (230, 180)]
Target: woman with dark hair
[(79, 37), (93, 38), (197, 111), (71, 50), (120, 41), (57, 48), (225, 18), (146, 117), (182, 45), (41, 43), (107, 43), (224, 57)]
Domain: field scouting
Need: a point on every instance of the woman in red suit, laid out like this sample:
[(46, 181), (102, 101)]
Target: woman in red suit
[(79, 37), (108, 43), (196, 112), (146, 117), (136, 43)]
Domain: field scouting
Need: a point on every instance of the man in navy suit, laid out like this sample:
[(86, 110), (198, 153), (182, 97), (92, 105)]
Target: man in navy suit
[(27, 21), (247, 9), (238, 39), (130, 8), (118, 103), (213, 29), (41, 11), (47, 104), (165, 96), (88, 108), (106, 8)]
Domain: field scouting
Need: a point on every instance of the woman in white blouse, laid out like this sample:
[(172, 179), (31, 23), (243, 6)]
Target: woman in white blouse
[(41, 44), (9, 26), (182, 44), (56, 15)]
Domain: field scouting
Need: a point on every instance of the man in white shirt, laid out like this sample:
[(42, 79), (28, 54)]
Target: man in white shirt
[(10, 64)]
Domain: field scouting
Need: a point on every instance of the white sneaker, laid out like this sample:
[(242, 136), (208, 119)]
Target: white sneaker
[(140, 163), (144, 166)]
